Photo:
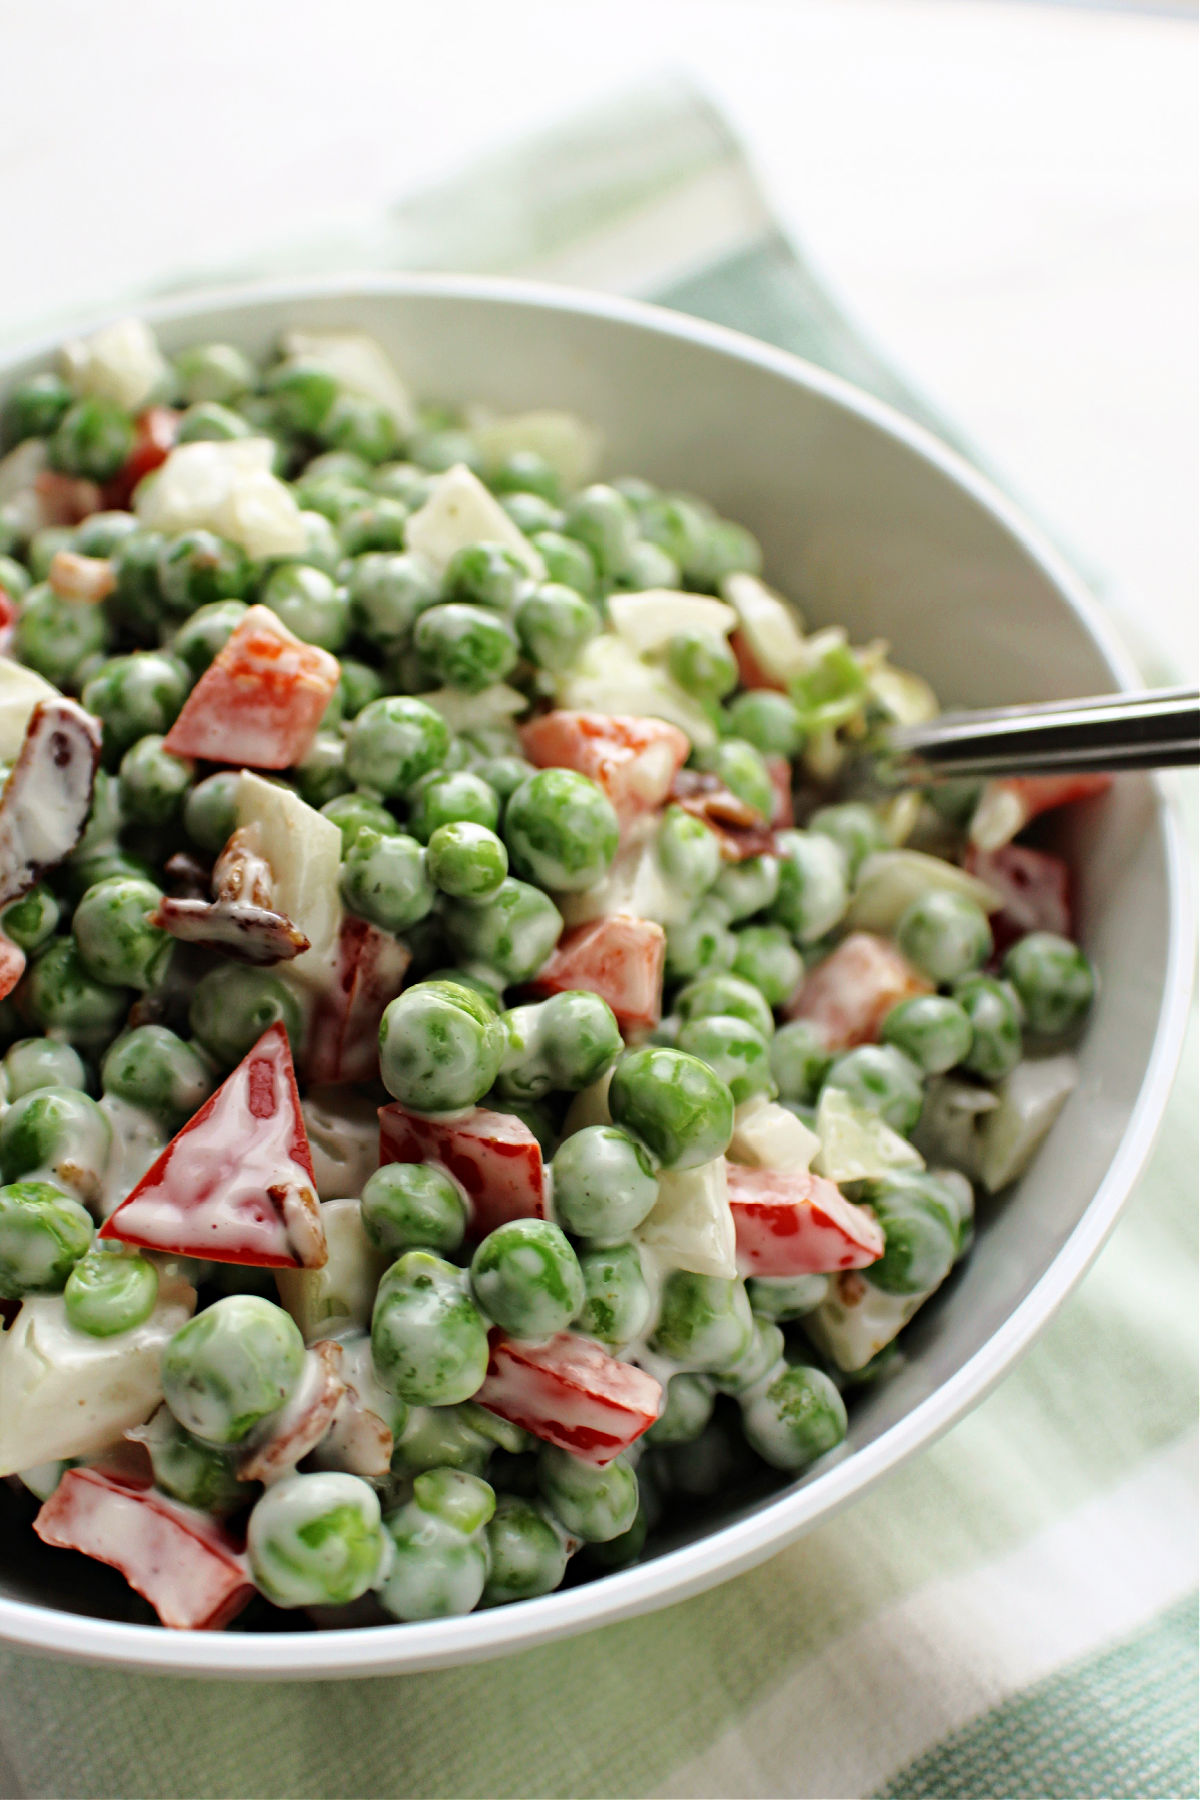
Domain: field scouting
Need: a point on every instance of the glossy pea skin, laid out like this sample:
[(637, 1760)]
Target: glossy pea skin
[(702, 664), (921, 1221), (530, 513), (151, 1067), (208, 422), (722, 996), (931, 1029), (799, 1061), (35, 406), (439, 1549), (1054, 981), (413, 1206), (62, 997), (617, 1305), (564, 1043), (799, 1417), (154, 782), (553, 624), (687, 1409), (206, 632), (43, 1234), (393, 742), (450, 799), (526, 1555), (593, 1504), (32, 920), (210, 810), (945, 935), (467, 861), (604, 522), (362, 426), (92, 438), (604, 1185), (196, 568), (674, 1104), (567, 562), (748, 887), (486, 575), (509, 936), (110, 1292), (701, 945), (786, 1297), (853, 825), (33, 1063), (356, 812), (704, 1321), (768, 960), (59, 1131), (116, 941), (56, 637), (136, 694), (428, 1338), (231, 1367), (440, 1047), (526, 1277), (15, 578), (232, 1006), (813, 891), (883, 1080), (136, 606), (688, 850), (196, 1474), (44, 546), (767, 720), (219, 372), (301, 393), (384, 879), (402, 481), (733, 1050), (316, 1540), (761, 1356), (994, 1011), (309, 602), (742, 768), (388, 592), (321, 775), (561, 830)]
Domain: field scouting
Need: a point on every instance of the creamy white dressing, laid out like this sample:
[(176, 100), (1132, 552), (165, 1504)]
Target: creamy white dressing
[(137, 1138), (336, 1299)]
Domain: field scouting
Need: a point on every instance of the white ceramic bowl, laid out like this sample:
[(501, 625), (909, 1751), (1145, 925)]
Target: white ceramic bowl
[(867, 520)]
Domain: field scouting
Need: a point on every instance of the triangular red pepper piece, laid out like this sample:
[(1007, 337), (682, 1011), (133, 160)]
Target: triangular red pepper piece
[(494, 1157), (344, 1035), (236, 1185)]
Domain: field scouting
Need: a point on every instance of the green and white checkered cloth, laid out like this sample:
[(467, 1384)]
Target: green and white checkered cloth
[(1011, 1614)]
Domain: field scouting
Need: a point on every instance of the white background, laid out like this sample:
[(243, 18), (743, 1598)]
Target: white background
[(1004, 195)]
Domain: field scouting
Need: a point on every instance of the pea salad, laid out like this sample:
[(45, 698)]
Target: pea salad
[(470, 1086)]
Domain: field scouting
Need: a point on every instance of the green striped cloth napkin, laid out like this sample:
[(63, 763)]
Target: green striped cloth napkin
[(1012, 1614)]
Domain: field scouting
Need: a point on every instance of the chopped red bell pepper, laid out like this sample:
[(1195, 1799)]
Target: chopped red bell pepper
[(155, 433), (260, 702), (344, 1032), (1007, 806), (184, 1563), (236, 1185), (848, 996), (796, 1223), (12, 966), (633, 759), (569, 1391), (1034, 888), (493, 1156), (618, 957)]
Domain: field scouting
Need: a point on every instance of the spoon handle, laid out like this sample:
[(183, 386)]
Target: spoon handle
[(1107, 734)]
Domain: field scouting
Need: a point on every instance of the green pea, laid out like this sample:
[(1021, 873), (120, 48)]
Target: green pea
[(192, 1472), (799, 1417), (767, 959), (334, 497), (231, 1367), (136, 604), (43, 1234), (701, 945), (813, 891), (617, 1305), (526, 472), (355, 812), (767, 720), (428, 1339), (486, 575), (747, 887), (503, 774), (595, 1504), (1054, 981), (198, 567), (402, 481), (678, 525), (742, 769), (109, 1293), (154, 782), (530, 513), (648, 567), (208, 422), (134, 695), (704, 1321), (217, 372), (384, 879), (440, 1047), (103, 532), (388, 592), (460, 797), (358, 685), (56, 637), (33, 1063), (439, 1551), (232, 1006), (465, 647), (509, 936), (443, 445), (393, 742), (94, 437), (467, 861), (413, 1206), (944, 934), (117, 943), (210, 810), (702, 665), (527, 1278), (603, 1183), (63, 997), (316, 1540), (856, 827), (337, 465), (45, 545), (717, 996), (526, 1555), (758, 1361), (933, 1031), (786, 1297), (674, 1103), (604, 522), (568, 563), (380, 524), (35, 406), (58, 1131), (309, 602), (362, 426), (15, 579), (561, 830), (321, 775), (687, 1409), (301, 393), (689, 851), (920, 1220), (883, 1080), (153, 1068), (553, 624), (994, 1011), (733, 1050), (33, 919)]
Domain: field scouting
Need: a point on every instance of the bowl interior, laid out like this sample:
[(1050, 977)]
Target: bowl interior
[(863, 523)]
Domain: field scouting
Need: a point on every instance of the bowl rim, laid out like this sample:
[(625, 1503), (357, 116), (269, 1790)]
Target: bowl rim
[(734, 1548)]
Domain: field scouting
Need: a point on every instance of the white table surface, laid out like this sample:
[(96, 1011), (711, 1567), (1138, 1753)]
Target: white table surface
[(1003, 194)]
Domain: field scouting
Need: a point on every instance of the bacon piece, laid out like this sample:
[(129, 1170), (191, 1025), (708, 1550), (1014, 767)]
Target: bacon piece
[(292, 1433), (493, 1156), (184, 1563), (791, 1222), (633, 759), (570, 1392), (783, 815), (848, 996), (1006, 807), (240, 919), (618, 957), (65, 499), (236, 1184), (343, 1041), (75, 577), (741, 830), (358, 1441), (1034, 889), (154, 435), (260, 701), (46, 798)]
